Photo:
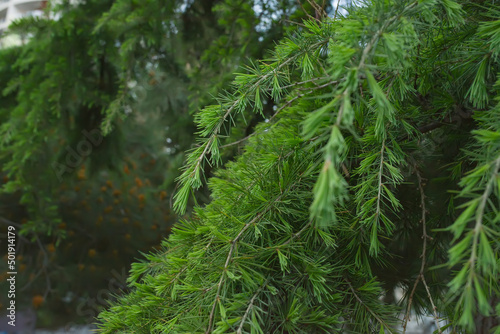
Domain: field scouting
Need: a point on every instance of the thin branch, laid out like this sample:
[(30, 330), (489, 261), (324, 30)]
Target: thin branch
[(455, 118), (319, 11), (296, 235), (424, 248), (287, 104), (336, 10), (479, 218), (380, 175), (379, 33), (229, 257), (239, 140), (366, 306), (228, 112), (250, 305), (292, 22), (434, 308), (303, 82), (222, 120), (305, 11), (421, 276)]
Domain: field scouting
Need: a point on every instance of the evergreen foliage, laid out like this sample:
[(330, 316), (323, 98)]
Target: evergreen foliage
[(379, 168), (135, 70)]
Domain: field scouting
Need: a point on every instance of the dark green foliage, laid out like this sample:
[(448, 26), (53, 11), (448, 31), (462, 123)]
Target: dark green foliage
[(270, 271), (379, 168)]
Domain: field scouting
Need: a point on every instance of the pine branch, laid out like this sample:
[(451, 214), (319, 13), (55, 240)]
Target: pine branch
[(479, 218), (296, 235), (300, 83), (365, 49), (190, 176), (380, 175), (251, 89), (250, 305), (286, 105), (366, 306), (333, 156), (228, 112), (231, 251), (379, 33)]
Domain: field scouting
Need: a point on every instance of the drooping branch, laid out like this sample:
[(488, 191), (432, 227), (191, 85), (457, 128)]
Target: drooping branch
[(190, 176), (380, 176), (421, 276), (296, 235), (234, 243), (250, 305), (382, 322), (287, 104), (479, 217)]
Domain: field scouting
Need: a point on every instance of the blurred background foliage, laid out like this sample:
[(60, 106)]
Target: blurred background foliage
[(95, 114)]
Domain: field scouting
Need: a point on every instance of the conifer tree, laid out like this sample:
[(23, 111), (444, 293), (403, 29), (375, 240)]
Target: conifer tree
[(379, 168), (134, 70)]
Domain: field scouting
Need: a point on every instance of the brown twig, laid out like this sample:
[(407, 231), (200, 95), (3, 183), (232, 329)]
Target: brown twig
[(336, 10), (421, 276), (455, 118), (292, 22), (434, 308), (304, 10), (319, 10)]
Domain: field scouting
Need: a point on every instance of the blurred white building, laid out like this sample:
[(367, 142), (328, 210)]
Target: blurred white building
[(11, 10)]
